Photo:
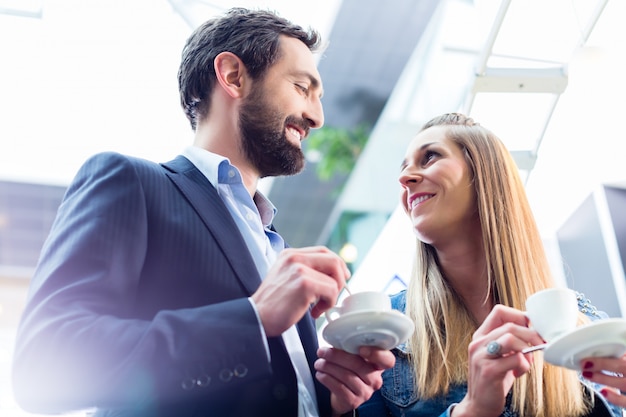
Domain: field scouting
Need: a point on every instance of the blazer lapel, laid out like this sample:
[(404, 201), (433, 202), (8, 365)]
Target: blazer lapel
[(308, 336), (205, 200)]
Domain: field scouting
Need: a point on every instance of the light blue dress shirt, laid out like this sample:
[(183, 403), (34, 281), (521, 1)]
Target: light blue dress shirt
[(253, 218)]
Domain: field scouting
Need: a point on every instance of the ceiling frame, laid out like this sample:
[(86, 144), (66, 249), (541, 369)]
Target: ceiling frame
[(551, 80)]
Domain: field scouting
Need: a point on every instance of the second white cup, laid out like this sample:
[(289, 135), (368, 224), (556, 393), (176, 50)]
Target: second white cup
[(552, 312)]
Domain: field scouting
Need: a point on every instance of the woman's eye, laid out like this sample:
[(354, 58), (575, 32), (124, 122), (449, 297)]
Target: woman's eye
[(429, 156)]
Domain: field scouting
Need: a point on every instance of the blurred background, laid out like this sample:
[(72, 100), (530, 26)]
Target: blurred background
[(83, 76)]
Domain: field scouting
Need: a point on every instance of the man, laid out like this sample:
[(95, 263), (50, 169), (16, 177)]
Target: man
[(163, 289)]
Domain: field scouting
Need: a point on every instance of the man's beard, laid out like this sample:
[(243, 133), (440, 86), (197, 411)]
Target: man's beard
[(264, 140)]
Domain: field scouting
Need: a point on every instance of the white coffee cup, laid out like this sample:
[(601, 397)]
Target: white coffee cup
[(552, 312), (366, 301)]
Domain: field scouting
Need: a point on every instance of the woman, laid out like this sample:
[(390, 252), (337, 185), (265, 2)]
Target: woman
[(479, 256)]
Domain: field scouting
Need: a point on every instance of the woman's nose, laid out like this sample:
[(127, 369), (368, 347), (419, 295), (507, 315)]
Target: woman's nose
[(408, 177)]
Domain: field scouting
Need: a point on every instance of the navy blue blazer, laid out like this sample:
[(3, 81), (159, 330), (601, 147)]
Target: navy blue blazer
[(138, 305)]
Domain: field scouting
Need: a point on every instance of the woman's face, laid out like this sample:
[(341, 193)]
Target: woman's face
[(437, 189)]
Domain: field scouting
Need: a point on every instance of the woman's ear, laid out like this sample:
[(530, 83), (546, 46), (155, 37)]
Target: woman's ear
[(230, 73)]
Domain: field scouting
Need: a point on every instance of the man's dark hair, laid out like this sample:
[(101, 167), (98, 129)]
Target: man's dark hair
[(252, 35)]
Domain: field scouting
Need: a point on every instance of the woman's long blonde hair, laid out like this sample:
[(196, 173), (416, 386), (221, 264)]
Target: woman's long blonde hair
[(517, 267)]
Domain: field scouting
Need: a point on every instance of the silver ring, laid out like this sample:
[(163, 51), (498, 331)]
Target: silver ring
[(494, 348)]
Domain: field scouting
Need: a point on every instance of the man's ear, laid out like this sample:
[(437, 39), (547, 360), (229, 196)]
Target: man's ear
[(230, 73)]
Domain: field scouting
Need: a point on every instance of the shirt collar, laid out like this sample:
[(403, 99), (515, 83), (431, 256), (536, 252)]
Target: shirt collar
[(213, 166), (207, 162), (267, 210)]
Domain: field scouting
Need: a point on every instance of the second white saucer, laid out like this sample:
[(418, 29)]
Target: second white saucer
[(600, 338)]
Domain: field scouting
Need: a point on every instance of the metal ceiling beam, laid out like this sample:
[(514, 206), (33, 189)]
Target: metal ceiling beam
[(521, 80), (551, 80), (27, 9)]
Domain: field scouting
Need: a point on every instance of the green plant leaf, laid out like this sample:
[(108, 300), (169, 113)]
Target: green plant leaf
[(339, 149)]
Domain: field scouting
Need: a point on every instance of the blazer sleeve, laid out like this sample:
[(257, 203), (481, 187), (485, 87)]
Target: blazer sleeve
[(82, 342)]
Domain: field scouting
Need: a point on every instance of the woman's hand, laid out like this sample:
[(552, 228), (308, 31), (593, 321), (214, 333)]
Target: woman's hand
[(609, 372), (495, 360)]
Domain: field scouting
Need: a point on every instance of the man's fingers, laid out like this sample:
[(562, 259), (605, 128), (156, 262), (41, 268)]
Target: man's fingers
[(320, 259)]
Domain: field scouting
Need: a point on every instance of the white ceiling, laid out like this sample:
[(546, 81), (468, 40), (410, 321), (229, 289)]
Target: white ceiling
[(571, 148), (83, 76)]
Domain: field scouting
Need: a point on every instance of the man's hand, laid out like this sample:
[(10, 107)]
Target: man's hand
[(298, 279), (352, 379)]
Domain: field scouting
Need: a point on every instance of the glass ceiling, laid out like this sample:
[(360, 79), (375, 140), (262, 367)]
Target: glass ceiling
[(78, 73), (83, 76), (505, 63)]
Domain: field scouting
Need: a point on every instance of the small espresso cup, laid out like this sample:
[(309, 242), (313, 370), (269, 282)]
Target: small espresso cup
[(552, 312), (366, 301)]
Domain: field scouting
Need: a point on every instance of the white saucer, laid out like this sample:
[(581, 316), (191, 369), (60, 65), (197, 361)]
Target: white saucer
[(601, 338), (383, 329)]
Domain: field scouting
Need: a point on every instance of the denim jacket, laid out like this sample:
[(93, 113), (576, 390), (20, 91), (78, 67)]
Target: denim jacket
[(398, 396)]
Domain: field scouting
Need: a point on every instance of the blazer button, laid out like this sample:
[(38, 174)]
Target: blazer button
[(226, 375), (203, 381), (279, 391), (188, 384), (241, 370)]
